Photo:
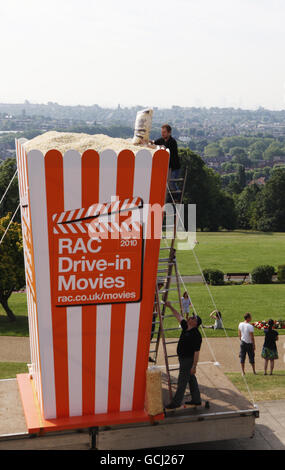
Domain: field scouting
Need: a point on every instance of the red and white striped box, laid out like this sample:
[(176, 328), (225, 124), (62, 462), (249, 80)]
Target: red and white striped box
[(87, 360)]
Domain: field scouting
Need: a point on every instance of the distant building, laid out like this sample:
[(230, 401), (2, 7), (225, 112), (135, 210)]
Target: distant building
[(259, 181)]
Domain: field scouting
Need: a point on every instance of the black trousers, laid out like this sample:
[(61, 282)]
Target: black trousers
[(185, 378)]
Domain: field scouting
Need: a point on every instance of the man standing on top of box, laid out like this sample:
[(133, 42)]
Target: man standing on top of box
[(188, 349), (170, 143)]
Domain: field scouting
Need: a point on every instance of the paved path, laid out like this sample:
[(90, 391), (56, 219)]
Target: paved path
[(226, 351), (14, 349)]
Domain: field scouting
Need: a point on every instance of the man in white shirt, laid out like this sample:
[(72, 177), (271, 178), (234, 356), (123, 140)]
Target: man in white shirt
[(247, 344)]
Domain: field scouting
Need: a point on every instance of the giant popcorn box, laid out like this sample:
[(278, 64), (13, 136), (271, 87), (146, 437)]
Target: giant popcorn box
[(90, 298)]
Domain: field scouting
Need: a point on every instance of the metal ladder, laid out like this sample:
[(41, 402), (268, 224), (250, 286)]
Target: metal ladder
[(167, 281)]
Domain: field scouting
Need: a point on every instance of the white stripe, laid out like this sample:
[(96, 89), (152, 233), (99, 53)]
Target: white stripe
[(71, 228), (142, 180), (80, 213), (72, 198), (61, 217), (36, 174), (94, 210), (71, 213), (107, 188)]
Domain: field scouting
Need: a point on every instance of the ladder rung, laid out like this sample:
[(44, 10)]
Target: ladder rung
[(166, 248), (176, 191), (175, 179), (171, 342), (165, 260), (152, 351), (165, 316), (162, 270), (176, 368), (173, 355)]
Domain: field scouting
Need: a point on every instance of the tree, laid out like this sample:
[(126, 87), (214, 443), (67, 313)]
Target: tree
[(269, 214), (245, 204), (274, 149), (203, 187), (213, 150), (241, 178), (12, 274), (242, 159), (9, 204), (237, 152)]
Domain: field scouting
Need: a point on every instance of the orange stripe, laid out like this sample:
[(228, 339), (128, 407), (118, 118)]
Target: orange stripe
[(157, 196), (55, 203), (90, 195), (32, 416), (125, 183)]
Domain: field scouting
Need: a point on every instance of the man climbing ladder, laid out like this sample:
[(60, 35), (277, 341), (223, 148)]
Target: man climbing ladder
[(188, 349)]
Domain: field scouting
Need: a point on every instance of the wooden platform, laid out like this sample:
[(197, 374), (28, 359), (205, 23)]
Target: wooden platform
[(215, 387), (36, 424), (230, 416)]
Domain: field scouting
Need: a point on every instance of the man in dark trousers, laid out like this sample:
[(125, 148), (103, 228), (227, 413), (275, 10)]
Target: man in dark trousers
[(188, 349), (170, 143)]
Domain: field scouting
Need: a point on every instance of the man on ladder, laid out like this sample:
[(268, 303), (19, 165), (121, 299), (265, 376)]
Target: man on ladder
[(166, 140), (188, 349)]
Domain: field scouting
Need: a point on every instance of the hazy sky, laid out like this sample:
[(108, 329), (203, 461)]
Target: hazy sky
[(149, 52)]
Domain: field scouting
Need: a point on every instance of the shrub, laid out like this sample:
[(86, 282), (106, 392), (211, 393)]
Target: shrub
[(262, 274), (281, 273), (206, 274), (215, 277)]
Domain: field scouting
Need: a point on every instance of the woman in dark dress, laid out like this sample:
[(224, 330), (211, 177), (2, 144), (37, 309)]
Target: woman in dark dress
[(269, 350)]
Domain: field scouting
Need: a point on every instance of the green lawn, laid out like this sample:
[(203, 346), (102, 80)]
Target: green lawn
[(263, 301), (229, 251), (18, 304), (262, 387), (9, 370), (238, 251)]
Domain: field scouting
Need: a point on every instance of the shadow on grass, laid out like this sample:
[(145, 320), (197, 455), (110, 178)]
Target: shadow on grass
[(20, 327)]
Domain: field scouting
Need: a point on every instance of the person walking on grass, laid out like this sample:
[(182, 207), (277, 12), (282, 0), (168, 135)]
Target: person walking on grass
[(269, 350), (188, 349), (247, 343)]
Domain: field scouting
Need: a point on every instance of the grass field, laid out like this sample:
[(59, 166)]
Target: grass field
[(262, 387), (233, 251), (263, 301), (9, 370), (18, 304), (229, 251)]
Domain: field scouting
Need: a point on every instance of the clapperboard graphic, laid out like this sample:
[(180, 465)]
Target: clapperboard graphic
[(98, 254)]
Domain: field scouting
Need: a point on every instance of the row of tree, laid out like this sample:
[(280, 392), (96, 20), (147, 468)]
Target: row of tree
[(246, 150), (241, 206)]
